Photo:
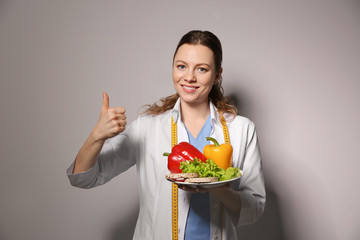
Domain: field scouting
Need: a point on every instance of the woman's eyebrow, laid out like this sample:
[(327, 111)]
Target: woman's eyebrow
[(198, 64), (181, 61)]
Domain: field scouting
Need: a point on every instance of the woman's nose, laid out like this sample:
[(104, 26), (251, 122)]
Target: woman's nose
[(190, 76)]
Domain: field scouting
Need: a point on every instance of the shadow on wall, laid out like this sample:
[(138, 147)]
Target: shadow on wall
[(269, 226), (124, 228)]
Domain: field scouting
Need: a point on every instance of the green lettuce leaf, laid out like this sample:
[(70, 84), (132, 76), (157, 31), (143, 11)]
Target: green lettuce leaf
[(209, 169), (230, 173)]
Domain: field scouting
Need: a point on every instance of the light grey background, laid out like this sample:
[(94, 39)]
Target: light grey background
[(292, 66)]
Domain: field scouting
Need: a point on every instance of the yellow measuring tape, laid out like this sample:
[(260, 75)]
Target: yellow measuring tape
[(174, 197)]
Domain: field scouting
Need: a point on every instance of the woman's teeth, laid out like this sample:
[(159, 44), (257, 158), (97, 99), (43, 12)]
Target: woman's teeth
[(190, 88)]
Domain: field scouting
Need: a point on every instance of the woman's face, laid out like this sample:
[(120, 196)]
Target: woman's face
[(194, 73)]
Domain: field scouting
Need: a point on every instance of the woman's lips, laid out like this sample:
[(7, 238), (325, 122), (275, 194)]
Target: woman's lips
[(189, 89)]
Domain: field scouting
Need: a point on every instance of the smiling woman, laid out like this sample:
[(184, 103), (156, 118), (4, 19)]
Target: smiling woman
[(194, 73), (198, 110), (210, 45)]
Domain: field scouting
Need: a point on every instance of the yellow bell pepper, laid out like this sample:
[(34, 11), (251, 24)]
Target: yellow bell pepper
[(220, 154)]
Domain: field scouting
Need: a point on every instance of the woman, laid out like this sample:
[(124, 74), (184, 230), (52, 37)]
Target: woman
[(196, 108)]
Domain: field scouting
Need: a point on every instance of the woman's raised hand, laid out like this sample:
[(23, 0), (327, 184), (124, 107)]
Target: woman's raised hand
[(112, 121)]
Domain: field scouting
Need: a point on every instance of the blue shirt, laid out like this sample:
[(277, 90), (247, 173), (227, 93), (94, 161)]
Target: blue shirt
[(198, 221)]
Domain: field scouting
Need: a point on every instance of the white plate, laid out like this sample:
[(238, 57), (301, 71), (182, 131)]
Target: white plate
[(205, 185)]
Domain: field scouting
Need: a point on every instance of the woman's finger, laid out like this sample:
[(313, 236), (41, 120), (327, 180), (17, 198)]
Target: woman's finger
[(121, 122), (118, 109)]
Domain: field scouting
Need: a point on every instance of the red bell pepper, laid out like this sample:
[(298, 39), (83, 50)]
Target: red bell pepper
[(182, 152)]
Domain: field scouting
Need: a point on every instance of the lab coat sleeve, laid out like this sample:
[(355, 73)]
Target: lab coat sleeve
[(117, 155), (251, 187)]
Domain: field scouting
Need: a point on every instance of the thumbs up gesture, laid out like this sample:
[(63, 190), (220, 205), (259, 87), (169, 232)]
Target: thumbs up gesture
[(112, 121)]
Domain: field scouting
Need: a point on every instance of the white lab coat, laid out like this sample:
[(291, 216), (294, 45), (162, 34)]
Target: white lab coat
[(143, 144)]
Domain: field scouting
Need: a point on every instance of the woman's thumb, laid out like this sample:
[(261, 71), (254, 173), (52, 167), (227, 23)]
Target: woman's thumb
[(105, 103)]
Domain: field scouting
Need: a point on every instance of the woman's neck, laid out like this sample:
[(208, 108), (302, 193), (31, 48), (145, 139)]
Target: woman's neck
[(194, 116)]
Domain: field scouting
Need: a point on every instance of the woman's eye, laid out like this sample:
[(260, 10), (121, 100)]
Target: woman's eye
[(181, 67), (201, 69)]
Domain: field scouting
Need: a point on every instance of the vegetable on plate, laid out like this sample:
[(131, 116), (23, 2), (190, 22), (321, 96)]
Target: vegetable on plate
[(209, 169), (220, 154), (182, 152)]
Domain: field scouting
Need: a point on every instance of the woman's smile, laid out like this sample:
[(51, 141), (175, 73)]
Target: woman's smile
[(188, 88)]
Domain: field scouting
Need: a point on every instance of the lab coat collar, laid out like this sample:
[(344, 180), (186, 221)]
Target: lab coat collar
[(214, 116)]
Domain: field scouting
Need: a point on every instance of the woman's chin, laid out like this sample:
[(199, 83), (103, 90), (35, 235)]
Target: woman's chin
[(191, 100)]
